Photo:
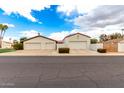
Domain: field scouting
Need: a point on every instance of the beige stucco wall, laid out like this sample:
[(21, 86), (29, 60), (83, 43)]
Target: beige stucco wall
[(6, 45), (61, 46), (44, 43), (96, 46), (121, 47), (77, 37)]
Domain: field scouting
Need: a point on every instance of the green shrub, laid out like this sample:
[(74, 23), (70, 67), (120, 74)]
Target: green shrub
[(18, 46), (93, 41), (100, 50), (64, 50)]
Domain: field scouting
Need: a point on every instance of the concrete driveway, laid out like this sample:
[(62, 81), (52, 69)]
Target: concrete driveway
[(55, 53), (47, 53)]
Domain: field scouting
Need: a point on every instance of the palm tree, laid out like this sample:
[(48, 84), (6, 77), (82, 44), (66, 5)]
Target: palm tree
[(3, 29)]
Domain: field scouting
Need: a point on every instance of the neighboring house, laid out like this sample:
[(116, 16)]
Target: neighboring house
[(6, 44), (77, 41), (111, 45), (39, 42), (73, 41), (115, 45)]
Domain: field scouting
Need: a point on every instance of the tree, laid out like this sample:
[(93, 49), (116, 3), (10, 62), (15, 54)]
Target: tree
[(15, 41), (22, 39), (93, 41), (3, 29), (103, 37), (116, 36), (18, 45)]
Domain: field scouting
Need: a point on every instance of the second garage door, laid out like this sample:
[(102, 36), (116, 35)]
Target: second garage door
[(49, 45), (32, 46), (77, 45)]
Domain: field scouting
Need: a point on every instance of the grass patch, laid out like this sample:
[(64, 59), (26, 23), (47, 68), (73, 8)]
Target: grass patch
[(6, 50)]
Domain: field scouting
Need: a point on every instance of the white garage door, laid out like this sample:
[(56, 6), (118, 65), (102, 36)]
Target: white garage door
[(121, 47), (78, 45), (32, 46), (49, 45)]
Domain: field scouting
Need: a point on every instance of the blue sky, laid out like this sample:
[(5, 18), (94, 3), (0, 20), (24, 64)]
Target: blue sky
[(48, 21), (30, 17)]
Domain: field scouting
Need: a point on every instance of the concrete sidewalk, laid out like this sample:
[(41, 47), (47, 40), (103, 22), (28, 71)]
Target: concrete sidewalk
[(55, 53)]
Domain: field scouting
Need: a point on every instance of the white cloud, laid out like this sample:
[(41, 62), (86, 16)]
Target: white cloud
[(105, 19), (58, 35), (95, 21), (9, 25), (25, 7), (29, 33), (10, 38), (81, 9), (62, 34), (84, 6), (93, 33), (102, 16)]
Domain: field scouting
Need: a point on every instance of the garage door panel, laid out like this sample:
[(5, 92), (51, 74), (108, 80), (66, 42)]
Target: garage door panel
[(78, 45), (50, 46), (33, 46)]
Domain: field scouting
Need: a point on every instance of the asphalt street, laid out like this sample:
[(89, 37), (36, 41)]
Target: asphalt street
[(62, 72)]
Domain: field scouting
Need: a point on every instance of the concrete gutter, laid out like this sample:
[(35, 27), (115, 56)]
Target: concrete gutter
[(97, 54)]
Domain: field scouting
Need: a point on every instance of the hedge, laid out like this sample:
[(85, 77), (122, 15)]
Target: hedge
[(63, 50), (100, 50)]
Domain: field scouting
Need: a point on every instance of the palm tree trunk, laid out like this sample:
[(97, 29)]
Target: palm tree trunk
[(1, 38), (3, 34), (0, 42)]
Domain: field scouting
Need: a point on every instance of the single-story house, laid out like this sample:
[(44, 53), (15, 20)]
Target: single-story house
[(76, 41), (6, 44), (39, 42), (73, 41)]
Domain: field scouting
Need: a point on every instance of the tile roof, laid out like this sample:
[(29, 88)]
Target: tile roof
[(40, 36), (75, 34)]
